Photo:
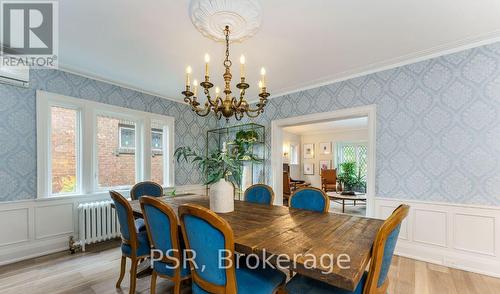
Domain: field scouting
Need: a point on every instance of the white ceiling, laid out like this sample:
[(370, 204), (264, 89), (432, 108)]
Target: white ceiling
[(147, 45), (343, 125)]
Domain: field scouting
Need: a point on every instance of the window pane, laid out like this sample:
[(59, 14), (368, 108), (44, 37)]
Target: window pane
[(116, 165), (157, 160), (349, 153), (63, 140), (127, 137), (294, 154)]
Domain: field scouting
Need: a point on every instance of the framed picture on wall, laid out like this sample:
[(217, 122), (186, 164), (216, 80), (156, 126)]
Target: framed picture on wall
[(308, 151), (308, 168), (325, 164), (325, 148)]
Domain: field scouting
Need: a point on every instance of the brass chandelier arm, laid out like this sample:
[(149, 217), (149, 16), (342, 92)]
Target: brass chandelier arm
[(200, 111), (251, 115), (259, 108)]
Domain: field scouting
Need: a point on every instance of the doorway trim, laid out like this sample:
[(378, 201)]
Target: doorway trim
[(277, 147)]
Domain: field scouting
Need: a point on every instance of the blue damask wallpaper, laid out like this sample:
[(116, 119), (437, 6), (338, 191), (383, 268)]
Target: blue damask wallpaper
[(18, 128), (438, 125)]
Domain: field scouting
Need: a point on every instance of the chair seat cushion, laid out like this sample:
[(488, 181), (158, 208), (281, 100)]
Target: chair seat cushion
[(142, 250), (300, 284), (254, 281), (166, 269)]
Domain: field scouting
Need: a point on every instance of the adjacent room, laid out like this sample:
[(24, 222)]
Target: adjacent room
[(331, 156), (250, 146)]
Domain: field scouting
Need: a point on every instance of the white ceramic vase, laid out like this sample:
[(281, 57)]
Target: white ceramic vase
[(222, 197)]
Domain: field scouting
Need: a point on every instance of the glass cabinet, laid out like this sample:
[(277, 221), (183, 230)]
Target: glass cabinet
[(246, 143)]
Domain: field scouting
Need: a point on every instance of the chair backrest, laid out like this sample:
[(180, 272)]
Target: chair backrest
[(259, 193), (329, 176), (126, 219), (207, 234), (146, 188), (310, 198), (163, 229), (383, 250), (286, 184)]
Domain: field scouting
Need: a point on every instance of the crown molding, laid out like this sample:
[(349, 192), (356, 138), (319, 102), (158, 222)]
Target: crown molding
[(437, 51), (94, 76)]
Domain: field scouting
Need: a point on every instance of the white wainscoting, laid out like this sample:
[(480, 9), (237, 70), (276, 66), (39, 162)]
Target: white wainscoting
[(37, 227), (466, 237)]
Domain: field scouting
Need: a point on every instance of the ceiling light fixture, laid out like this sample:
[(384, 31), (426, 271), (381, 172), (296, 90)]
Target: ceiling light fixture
[(225, 105)]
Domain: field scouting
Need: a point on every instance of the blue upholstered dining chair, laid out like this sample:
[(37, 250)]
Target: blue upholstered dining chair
[(146, 188), (207, 234), (135, 243), (259, 193), (375, 280), (163, 232), (310, 199)]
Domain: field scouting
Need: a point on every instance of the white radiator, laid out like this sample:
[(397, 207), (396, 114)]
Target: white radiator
[(98, 222)]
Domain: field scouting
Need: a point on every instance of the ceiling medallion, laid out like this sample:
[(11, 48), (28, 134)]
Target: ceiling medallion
[(211, 17), (225, 104)]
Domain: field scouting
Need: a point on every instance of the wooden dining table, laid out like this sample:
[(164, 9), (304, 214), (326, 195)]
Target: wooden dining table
[(272, 231)]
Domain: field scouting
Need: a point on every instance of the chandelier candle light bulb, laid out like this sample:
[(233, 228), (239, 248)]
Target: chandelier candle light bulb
[(207, 61), (195, 88), (230, 106), (242, 67), (188, 76), (263, 77)]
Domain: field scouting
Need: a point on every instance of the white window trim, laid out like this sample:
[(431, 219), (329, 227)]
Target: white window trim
[(87, 130)]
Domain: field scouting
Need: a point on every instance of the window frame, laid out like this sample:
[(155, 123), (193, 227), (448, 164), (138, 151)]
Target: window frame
[(294, 156), (44, 144), (120, 128), (158, 151), (356, 144), (87, 161)]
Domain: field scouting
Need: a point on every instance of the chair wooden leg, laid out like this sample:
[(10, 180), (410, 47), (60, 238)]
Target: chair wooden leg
[(122, 271), (153, 282), (177, 286), (133, 275)]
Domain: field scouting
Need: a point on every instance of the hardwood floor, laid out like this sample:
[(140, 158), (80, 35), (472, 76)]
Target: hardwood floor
[(97, 271)]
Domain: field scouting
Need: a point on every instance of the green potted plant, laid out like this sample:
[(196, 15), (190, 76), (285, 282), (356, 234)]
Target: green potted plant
[(222, 171), (242, 150), (351, 178)]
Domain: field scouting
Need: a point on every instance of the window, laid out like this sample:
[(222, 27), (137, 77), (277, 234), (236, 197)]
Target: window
[(353, 152), (294, 154), (64, 157), (85, 147), (126, 137), (158, 149), (156, 140), (116, 166)]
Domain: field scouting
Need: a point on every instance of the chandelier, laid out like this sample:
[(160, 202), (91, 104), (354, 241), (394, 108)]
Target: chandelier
[(225, 104)]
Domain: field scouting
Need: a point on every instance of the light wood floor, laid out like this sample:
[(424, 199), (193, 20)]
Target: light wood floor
[(97, 272)]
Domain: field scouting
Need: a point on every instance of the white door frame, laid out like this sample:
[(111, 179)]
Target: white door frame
[(277, 148)]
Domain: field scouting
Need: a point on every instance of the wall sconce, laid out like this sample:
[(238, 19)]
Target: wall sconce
[(286, 150)]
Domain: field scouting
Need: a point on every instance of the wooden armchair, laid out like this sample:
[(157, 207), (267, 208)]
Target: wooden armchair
[(329, 180), (287, 189)]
